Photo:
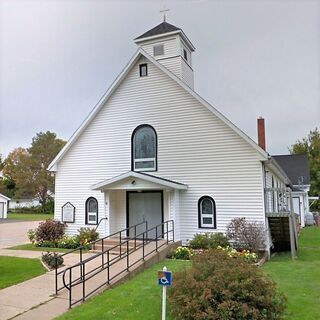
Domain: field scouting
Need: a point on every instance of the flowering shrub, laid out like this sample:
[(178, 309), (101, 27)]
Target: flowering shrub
[(69, 242), (52, 237), (250, 257), (182, 253), (208, 240), (87, 235), (224, 288)]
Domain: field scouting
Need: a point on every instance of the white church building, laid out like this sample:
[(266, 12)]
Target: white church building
[(153, 150)]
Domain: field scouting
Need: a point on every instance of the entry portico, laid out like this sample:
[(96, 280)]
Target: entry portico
[(134, 197)]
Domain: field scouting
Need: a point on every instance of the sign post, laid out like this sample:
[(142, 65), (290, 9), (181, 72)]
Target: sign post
[(164, 280)]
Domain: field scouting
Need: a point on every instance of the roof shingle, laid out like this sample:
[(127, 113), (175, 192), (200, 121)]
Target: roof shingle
[(296, 166), (161, 28)]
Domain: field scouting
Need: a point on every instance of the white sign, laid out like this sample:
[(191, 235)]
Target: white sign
[(68, 211)]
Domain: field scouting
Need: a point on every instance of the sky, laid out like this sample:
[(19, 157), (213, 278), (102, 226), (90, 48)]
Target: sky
[(253, 58)]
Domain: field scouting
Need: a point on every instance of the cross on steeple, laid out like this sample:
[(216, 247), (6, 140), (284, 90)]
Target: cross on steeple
[(164, 11)]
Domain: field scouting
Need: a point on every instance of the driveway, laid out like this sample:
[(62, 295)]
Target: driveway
[(14, 232)]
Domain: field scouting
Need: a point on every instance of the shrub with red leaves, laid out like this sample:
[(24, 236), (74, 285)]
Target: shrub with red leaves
[(50, 230)]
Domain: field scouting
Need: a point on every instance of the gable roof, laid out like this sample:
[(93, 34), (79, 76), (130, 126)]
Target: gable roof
[(140, 52), (161, 28), (5, 197), (140, 175), (296, 166)]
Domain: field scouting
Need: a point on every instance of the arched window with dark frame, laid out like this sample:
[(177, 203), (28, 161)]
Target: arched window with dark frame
[(144, 148), (91, 211), (207, 213)]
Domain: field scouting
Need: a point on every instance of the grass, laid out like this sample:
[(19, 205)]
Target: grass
[(138, 298), (30, 216), (14, 270), (300, 279), (32, 247)]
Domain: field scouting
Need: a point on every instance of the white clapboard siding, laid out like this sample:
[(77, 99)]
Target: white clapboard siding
[(173, 57), (170, 47), (194, 147), (186, 73)]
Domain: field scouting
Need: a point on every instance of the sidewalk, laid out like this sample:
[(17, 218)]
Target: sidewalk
[(29, 294), (34, 299)]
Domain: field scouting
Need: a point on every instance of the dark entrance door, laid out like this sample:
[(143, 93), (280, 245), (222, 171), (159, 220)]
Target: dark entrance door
[(145, 206)]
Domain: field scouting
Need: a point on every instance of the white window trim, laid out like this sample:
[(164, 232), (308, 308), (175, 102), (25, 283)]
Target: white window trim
[(92, 214), (203, 215), (143, 160)]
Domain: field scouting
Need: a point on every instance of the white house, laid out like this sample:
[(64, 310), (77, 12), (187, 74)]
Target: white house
[(3, 206), (152, 149), (23, 203), (296, 167)]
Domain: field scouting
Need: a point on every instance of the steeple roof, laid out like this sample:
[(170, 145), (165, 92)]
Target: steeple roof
[(161, 28)]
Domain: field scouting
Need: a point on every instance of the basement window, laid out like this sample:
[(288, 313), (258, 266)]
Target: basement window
[(158, 50), (143, 68)]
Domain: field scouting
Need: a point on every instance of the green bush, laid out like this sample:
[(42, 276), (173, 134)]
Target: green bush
[(49, 230), (69, 242), (182, 253), (208, 240), (200, 241), (87, 235), (218, 240), (32, 235), (52, 259), (224, 288)]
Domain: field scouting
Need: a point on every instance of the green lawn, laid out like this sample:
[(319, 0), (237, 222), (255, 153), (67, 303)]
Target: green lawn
[(300, 279), (30, 216), (139, 298), (32, 247), (15, 270)]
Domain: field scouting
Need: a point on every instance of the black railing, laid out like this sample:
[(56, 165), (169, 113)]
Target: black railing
[(105, 218), (159, 235), (92, 244)]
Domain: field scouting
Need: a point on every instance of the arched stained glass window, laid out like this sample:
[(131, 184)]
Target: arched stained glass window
[(91, 211), (144, 149), (207, 212)]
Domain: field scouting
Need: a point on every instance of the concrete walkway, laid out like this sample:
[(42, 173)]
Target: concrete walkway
[(34, 299)]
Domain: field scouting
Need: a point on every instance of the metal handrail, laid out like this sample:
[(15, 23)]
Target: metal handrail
[(81, 248), (84, 276), (105, 218)]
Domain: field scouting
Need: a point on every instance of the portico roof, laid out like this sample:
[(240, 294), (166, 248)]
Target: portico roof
[(138, 180)]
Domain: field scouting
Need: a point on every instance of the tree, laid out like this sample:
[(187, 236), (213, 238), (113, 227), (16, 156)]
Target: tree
[(28, 167), (311, 147)]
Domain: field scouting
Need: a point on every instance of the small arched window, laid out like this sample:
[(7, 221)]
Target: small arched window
[(144, 149), (91, 211), (207, 213)]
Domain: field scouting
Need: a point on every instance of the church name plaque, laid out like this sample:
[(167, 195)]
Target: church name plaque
[(68, 212)]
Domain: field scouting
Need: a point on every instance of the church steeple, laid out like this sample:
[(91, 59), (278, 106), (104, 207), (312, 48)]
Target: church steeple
[(171, 47)]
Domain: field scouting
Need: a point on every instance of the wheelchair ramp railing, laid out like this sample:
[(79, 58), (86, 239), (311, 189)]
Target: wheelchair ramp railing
[(90, 275)]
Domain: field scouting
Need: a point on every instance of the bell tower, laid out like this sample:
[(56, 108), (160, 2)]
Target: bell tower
[(170, 46)]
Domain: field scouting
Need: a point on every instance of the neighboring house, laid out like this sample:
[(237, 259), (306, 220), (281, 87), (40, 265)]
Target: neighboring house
[(3, 206), (23, 203), (297, 169), (153, 149)]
